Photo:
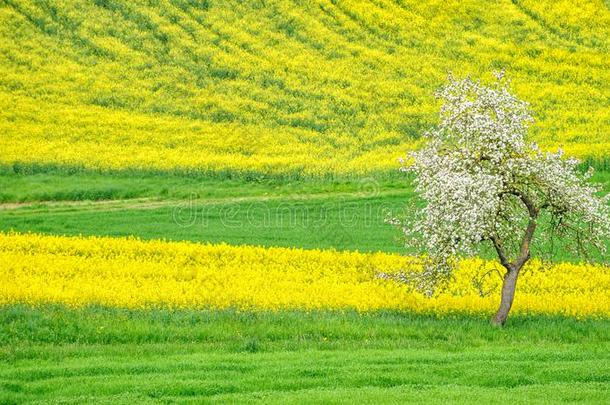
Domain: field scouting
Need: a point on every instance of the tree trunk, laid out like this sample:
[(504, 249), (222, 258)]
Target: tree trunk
[(513, 268), (508, 294)]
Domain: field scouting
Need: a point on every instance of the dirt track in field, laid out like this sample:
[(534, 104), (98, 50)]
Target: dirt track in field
[(152, 203)]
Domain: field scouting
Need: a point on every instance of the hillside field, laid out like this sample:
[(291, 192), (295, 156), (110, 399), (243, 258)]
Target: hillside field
[(286, 88), (195, 194)]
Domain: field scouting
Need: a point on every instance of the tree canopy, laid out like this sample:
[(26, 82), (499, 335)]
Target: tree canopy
[(483, 183)]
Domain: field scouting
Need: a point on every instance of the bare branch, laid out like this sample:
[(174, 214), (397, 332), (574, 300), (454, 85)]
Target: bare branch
[(529, 204), (524, 251), (500, 251)]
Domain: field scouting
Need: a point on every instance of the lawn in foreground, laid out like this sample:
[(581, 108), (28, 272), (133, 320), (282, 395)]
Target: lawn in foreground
[(104, 355)]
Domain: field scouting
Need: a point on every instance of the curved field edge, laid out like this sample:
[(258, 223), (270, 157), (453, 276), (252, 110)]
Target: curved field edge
[(103, 354), (126, 272)]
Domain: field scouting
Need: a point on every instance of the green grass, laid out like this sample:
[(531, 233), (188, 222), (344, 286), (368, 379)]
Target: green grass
[(91, 186), (107, 355), (342, 215), (56, 185), (346, 214), (343, 222), (246, 102)]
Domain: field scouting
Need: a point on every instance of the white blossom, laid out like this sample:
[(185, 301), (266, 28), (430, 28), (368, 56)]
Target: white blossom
[(476, 173)]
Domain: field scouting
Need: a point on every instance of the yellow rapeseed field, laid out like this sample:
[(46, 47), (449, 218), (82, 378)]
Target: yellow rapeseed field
[(314, 88), (126, 272)]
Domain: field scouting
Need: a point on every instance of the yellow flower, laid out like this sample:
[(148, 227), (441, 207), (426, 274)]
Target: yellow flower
[(339, 89), (128, 272)]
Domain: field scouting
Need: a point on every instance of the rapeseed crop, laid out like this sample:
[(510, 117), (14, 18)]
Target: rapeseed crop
[(130, 273), (323, 88)]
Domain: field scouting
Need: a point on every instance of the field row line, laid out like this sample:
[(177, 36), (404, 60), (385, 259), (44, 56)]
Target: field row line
[(154, 202)]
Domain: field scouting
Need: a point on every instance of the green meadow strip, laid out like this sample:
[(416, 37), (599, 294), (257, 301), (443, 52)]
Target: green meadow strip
[(232, 330), (108, 355)]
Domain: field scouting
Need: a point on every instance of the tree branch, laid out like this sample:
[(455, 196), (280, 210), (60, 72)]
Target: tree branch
[(524, 250), (531, 208), (500, 251)]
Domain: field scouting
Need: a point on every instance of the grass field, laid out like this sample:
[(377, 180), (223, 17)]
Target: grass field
[(184, 185), (311, 221), (78, 186), (345, 215), (51, 353), (107, 355)]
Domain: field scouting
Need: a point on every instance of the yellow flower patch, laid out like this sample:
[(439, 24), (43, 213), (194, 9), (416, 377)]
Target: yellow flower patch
[(127, 272)]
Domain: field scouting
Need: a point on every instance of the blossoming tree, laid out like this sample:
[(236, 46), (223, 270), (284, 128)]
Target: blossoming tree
[(483, 185)]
